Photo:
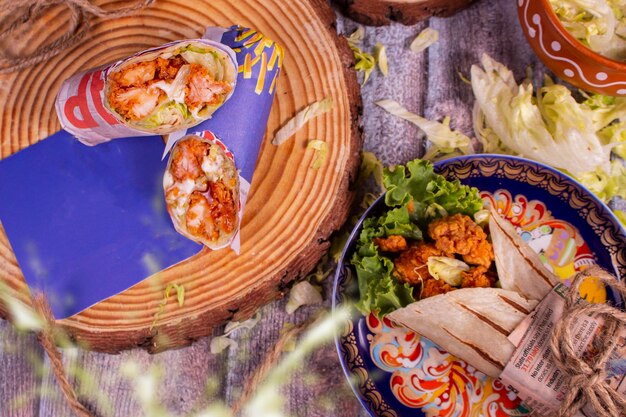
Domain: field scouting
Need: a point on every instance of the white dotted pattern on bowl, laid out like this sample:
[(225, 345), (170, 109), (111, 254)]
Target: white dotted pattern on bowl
[(556, 47)]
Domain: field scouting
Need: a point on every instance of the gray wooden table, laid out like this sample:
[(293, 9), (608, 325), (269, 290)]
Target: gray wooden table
[(193, 378)]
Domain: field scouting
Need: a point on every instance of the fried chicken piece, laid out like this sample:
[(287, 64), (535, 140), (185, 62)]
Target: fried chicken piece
[(134, 103), (187, 162), (206, 217), (410, 267), (481, 254), (477, 277), (394, 243), (433, 287), (166, 69), (134, 75), (224, 207), (202, 90), (458, 234), (198, 220)]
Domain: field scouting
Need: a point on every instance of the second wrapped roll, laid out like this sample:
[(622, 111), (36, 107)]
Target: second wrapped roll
[(201, 186)]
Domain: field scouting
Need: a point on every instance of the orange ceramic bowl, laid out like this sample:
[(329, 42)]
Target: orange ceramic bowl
[(568, 58)]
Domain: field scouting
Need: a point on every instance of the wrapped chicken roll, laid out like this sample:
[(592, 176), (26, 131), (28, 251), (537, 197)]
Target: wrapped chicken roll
[(201, 186), (169, 89), (158, 91)]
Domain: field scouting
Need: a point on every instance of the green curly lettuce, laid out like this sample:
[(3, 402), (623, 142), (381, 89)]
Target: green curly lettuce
[(415, 196)]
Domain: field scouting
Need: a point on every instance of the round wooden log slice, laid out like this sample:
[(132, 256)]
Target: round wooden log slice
[(292, 209), (408, 12)]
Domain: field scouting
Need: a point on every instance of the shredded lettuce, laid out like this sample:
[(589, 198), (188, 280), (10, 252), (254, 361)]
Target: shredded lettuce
[(213, 62), (356, 38), (551, 128), (180, 298), (598, 24), (220, 343), (425, 39), (621, 216), (415, 196), (170, 113), (303, 293), (364, 61), (606, 185), (321, 150), (380, 55), (443, 139), (447, 269), (303, 116)]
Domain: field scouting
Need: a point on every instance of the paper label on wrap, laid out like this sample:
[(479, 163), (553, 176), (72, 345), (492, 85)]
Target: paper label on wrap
[(531, 371)]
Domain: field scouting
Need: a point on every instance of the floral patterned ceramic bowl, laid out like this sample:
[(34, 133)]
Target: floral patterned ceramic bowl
[(568, 58), (395, 372)]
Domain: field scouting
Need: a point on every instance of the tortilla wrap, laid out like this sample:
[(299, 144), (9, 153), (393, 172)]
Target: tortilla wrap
[(201, 186), (519, 267), (166, 102), (471, 324)]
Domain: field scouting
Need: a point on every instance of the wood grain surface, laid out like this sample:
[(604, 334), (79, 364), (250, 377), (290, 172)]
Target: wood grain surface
[(426, 83), (408, 12), (291, 210)]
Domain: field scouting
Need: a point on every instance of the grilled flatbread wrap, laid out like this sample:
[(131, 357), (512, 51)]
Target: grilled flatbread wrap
[(471, 323), (519, 267), (171, 88), (201, 186)]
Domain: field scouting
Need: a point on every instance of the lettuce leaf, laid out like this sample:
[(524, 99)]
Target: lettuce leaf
[(168, 114), (551, 128), (415, 196), (431, 194)]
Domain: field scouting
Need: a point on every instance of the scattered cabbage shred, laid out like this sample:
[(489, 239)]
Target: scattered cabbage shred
[(598, 24), (321, 150), (444, 140), (306, 114), (364, 61), (425, 39), (380, 55), (447, 269), (551, 127), (303, 293), (220, 343)]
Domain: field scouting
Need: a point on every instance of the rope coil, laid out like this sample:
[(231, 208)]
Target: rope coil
[(588, 381), (20, 13)]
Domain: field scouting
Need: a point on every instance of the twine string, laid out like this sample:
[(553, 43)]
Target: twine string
[(48, 335), (21, 13), (47, 339), (588, 381)]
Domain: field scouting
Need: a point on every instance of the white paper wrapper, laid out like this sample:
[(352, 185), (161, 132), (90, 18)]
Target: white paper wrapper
[(84, 111)]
